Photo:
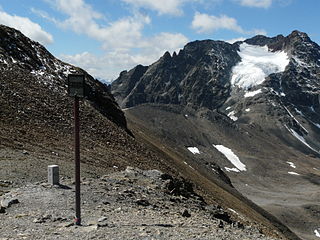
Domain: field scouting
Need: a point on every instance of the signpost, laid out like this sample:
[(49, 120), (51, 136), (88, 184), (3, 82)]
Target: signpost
[(76, 89)]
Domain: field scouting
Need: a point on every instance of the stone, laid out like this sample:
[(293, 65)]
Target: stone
[(142, 202), (6, 203), (2, 210), (25, 152), (102, 219), (186, 213), (221, 224)]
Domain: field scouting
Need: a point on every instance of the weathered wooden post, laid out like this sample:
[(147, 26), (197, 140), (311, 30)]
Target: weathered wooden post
[(76, 84)]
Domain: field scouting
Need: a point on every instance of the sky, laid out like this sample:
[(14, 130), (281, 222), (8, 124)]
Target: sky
[(105, 37)]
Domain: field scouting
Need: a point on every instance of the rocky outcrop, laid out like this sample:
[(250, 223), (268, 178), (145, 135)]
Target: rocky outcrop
[(197, 76)]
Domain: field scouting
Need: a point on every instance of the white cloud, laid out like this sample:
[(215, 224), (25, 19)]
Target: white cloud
[(105, 67), (27, 27), (109, 65), (82, 19), (204, 23), (256, 3), (122, 40)]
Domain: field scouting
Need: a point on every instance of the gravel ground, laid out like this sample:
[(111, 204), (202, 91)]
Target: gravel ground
[(132, 204)]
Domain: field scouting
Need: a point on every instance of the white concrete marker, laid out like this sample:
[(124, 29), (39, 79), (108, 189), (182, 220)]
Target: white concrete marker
[(53, 174)]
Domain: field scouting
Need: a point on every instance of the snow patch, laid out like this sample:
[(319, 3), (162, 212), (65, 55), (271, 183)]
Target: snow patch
[(292, 164), (233, 158), (256, 64), (194, 150), (291, 115), (232, 116), (300, 138), (316, 124), (294, 173), (232, 169), (247, 110), (252, 93), (298, 111), (317, 233)]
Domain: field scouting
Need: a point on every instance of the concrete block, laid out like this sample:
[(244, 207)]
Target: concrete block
[(53, 174)]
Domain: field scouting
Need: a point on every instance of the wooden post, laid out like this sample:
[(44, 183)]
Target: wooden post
[(77, 159)]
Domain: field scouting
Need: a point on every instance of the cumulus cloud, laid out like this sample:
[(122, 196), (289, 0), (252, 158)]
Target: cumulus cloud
[(82, 19), (255, 3), (27, 27), (109, 65), (204, 23), (122, 40)]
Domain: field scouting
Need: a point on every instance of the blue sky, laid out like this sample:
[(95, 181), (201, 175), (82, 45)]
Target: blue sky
[(107, 36)]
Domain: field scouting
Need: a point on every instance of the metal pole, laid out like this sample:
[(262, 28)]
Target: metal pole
[(77, 159)]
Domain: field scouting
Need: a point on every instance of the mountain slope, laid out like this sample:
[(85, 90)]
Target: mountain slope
[(251, 107), (37, 115)]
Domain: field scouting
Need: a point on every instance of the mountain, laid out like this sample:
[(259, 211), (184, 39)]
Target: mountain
[(36, 128), (251, 107)]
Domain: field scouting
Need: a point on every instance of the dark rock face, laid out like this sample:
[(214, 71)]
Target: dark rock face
[(200, 74), (24, 59), (197, 76), (200, 77)]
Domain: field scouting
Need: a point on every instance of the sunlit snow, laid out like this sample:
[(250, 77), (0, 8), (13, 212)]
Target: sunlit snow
[(252, 93), (317, 233), (247, 110), (292, 164), (256, 64), (232, 116), (294, 173), (291, 115), (317, 125), (300, 138), (232, 169), (229, 154), (194, 150)]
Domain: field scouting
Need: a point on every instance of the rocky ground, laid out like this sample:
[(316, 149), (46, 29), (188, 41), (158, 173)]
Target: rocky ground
[(131, 204)]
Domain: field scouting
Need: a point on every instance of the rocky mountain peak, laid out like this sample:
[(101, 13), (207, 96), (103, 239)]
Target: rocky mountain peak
[(299, 36), (15, 48), (180, 79)]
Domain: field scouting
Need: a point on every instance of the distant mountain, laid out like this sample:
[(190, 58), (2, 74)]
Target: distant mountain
[(252, 107)]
